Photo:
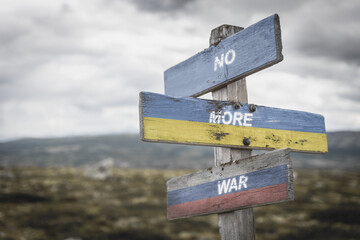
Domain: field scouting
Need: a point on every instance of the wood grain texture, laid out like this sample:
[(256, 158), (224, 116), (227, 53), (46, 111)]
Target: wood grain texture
[(191, 121), (239, 224), (246, 52), (235, 92), (267, 178), (222, 32)]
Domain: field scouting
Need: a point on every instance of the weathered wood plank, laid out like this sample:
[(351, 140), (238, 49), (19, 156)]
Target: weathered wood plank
[(234, 92), (255, 181), (239, 224), (229, 124), (246, 52), (220, 33)]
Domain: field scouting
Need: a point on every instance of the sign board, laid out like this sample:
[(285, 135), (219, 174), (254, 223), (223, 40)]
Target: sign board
[(229, 124), (246, 52), (255, 181)]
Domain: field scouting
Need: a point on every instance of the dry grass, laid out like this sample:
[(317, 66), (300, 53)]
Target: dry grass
[(60, 203)]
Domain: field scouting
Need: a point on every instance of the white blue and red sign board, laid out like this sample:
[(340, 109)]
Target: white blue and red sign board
[(255, 181), (246, 52), (229, 124)]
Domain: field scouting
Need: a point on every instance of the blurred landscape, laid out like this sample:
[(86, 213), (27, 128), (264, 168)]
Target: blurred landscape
[(49, 190), (61, 203), (129, 151)]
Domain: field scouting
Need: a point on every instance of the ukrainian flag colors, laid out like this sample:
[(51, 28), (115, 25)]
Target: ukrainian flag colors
[(221, 123)]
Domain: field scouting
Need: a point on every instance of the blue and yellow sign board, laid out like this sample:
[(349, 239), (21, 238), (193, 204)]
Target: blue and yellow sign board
[(229, 124)]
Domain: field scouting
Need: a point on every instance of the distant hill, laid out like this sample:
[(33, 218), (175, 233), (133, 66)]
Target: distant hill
[(128, 151)]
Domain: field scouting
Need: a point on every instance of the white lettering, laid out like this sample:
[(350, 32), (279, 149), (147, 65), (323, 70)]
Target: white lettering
[(247, 119), (219, 62), (237, 118), (233, 185), (242, 181), (223, 186), (212, 117), (218, 117), (227, 61), (224, 118), (234, 118), (215, 117)]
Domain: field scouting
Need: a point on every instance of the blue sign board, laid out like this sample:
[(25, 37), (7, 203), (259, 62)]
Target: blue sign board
[(246, 52)]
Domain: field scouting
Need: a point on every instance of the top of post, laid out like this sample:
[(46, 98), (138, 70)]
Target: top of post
[(222, 32)]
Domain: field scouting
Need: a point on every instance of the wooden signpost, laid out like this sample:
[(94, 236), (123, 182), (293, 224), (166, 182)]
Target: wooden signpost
[(238, 181), (248, 51), (224, 123), (255, 181)]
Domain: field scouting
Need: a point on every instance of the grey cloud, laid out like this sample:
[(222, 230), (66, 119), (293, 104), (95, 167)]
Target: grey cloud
[(98, 106), (330, 32), (65, 8), (10, 35), (352, 95), (158, 6), (275, 5), (339, 44), (43, 48)]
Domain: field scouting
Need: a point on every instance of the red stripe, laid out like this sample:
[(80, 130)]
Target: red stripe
[(259, 196)]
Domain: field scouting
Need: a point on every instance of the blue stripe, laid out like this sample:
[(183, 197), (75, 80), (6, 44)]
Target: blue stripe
[(198, 110), (257, 179)]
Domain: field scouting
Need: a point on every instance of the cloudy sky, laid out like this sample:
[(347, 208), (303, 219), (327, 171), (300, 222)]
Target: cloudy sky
[(71, 67)]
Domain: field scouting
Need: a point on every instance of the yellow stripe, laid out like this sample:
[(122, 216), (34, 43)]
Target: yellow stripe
[(167, 130)]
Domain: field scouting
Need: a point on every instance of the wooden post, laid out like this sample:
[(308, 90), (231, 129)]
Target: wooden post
[(238, 224)]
